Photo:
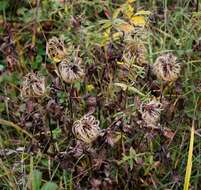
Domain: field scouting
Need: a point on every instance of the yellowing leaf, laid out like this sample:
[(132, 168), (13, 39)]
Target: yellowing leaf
[(117, 35), (116, 13), (131, 1), (120, 63), (57, 59), (128, 10), (105, 37), (138, 20), (189, 162), (125, 27), (142, 12)]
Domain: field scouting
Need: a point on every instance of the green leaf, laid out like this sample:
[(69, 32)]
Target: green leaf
[(36, 181), (37, 62), (56, 133), (49, 186), (132, 152), (131, 163), (4, 5)]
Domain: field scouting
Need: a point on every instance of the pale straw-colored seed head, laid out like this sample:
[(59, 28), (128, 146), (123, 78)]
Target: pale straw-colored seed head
[(33, 85), (151, 112), (71, 71), (86, 129), (135, 52), (55, 49), (166, 67)]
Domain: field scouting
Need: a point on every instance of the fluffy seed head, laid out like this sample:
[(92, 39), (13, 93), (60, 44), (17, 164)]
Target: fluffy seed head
[(135, 52), (55, 49), (33, 85), (86, 129), (151, 112), (166, 67), (71, 71)]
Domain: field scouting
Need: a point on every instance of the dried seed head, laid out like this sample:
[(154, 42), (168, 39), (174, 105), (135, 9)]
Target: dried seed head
[(135, 52), (71, 71), (86, 129), (12, 61), (33, 85), (151, 112), (55, 49), (166, 67)]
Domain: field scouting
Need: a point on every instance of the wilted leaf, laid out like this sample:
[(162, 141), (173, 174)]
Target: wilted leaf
[(122, 25), (125, 27)]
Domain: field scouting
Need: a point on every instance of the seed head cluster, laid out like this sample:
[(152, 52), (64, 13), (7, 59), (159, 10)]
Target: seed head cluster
[(33, 85), (86, 129), (166, 67), (71, 71), (135, 52), (55, 49), (69, 66), (151, 112)]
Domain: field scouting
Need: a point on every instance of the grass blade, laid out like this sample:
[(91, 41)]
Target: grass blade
[(189, 162)]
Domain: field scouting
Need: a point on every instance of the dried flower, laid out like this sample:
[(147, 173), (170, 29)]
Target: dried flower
[(86, 129), (12, 61), (55, 49), (166, 67), (71, 71), (33, 85), (135, 52), (151, 112)]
